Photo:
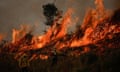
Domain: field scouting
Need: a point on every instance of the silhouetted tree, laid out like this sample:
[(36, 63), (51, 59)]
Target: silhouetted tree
[(49, 11)]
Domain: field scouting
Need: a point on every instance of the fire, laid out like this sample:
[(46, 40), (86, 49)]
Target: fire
[(1, 36), (18, 34), (97, 25)]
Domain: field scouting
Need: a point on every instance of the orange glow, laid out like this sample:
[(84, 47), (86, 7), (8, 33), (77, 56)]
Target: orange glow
[(43, 57), (1, 36)]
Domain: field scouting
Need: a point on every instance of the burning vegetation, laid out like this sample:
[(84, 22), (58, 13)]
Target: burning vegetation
[(99, 34)]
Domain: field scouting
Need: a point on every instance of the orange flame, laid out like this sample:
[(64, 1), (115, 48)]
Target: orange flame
[(1, 36)]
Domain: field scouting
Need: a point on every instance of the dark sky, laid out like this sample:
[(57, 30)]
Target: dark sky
[(13, 13)]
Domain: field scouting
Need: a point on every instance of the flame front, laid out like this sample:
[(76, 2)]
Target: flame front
[(97, 26)]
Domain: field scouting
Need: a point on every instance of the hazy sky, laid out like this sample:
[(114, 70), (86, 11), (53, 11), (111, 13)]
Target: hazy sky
[(13, 13)]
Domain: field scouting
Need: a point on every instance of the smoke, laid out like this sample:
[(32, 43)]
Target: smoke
[(13, 13)]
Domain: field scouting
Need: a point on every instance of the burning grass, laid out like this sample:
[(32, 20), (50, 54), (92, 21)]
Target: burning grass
[(95, 41)]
